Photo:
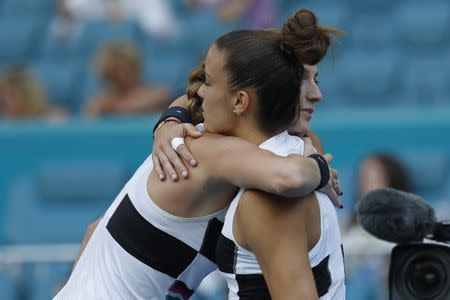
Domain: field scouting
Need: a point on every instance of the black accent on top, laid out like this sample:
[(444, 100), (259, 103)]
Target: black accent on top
[(322, 276), (212, 234), (150, 245), (226, 254), (252, 287)]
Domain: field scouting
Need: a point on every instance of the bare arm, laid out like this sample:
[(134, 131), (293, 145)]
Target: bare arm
[(246, 165), (87, 236), (276, 232)]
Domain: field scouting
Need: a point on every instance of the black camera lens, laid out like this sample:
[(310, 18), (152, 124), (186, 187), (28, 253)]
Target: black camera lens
[(425, 277)]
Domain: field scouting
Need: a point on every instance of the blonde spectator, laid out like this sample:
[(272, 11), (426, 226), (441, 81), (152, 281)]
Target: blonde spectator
[(118, 64), (21, 95)]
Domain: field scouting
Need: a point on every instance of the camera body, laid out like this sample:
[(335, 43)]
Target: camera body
[(420, 271)]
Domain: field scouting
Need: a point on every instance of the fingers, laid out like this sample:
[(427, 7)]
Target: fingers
[(191, 130), (335, 198), (167, 166), (184, 152), (158, 167), (334, 179), (175, 161)]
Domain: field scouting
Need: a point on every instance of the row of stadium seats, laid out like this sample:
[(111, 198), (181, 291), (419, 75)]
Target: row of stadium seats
[(387, 57)]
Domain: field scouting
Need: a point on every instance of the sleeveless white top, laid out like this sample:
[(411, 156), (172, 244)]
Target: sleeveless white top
[(139, 251), (240, 267)]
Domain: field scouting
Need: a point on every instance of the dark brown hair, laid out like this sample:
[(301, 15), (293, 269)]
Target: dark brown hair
[(270, 62)]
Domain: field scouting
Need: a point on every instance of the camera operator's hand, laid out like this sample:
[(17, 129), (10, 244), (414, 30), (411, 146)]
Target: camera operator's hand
[(166, 160)]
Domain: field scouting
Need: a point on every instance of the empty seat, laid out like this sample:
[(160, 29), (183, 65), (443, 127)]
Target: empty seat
[(172, 71), (96, 33), (26, 8), (56, 204), (199, 31), (429, 169), (57, 48), (422, 23), (373, 32), (427, 81), (371, 6), (7, 286), (17, 37), (368, 79), (61, 80), (329, 14)]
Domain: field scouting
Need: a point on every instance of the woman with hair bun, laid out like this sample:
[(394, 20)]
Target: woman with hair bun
[(273, 249)]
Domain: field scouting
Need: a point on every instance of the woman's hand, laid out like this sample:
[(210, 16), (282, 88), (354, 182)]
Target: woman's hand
[(332, 189), (167, 161)]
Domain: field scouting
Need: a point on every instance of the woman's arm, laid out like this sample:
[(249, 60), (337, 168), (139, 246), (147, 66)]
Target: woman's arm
[(87, 236), (276, 232), (246, 165), (167, 161)]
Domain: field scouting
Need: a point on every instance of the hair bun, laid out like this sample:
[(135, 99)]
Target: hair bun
[(302, 38)]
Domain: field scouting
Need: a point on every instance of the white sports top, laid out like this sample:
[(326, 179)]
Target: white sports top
[(240, 267), (139, 251)]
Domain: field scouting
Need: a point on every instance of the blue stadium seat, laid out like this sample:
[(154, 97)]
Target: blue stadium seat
[(329, 13), (199, 31), (179, 7), (17, 37), (60, 201), (368, 79), (429, 171), (61, 81), (45, 280), (371, 6), (7, 286), (26, 8), (172, 71), (372, 32), (426, 81), (423, 23), (51, 47), (96, 33)]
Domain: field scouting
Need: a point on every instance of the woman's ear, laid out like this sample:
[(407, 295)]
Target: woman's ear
[(242, 102)]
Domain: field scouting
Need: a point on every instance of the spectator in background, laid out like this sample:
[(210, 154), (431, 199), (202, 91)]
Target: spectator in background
[(154, 16), (118, 64), (368, 271), (65, 28), (21, 95), (255, 14)]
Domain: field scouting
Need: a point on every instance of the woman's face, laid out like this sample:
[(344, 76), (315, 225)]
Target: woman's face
[(217, 98), (309, 95)]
